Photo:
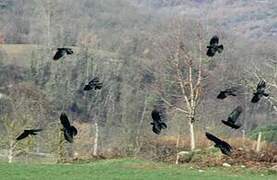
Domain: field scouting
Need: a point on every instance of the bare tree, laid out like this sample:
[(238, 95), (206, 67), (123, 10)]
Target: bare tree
[(25, 104), (181, 69)]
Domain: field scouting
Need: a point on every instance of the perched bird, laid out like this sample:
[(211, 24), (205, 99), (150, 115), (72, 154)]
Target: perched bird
[(227, 92), (214, 47), (28, 132), (222, 145), (260, 92), (69, 131), (61, 52), (233, 117), (157, 123), (93, 84)]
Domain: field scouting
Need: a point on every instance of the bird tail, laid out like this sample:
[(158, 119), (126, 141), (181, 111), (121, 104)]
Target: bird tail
[(69, 51), (162, 125), (156, 129), (220, 48)]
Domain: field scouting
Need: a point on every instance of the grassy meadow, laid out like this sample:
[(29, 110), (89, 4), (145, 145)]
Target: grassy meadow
[(121, 169)]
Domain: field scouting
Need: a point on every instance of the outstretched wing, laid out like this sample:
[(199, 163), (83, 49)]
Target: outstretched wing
[(87, 87), (214, 40), (60, 53), (231, 124), (93, 84), (35, 130), (73, 130), (22, 135), (156, 116), (256, 98), (69, 51), (99, 86), (156, 129), (234, 115), (211, 52), (213, 138), (68, 136), (261, 86), (64, 120), (225, 148), (221, 95)]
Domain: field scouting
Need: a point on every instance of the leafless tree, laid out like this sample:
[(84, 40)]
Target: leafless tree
[(181, 70)]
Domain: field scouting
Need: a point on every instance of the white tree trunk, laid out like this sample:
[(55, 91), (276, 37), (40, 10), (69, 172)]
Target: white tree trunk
[(138, 138), (178, 140), (48, 23), (10, 154), (258, 147), (192, 137), (95, 146)]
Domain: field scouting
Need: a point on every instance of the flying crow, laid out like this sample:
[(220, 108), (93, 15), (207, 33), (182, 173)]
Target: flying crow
[(222, 145), (260, 92), (28, 132), (233, 117), (157, 123), (93, 84), (69, 131), (61, 52), (214, 47), (227, 92)]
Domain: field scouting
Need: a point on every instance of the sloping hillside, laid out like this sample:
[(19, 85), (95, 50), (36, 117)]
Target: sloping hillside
[(250, 18)]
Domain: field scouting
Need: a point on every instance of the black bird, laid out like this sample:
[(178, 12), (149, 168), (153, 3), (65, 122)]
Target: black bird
[(260, 92), (61, 52), (28, 132), (222, 145), (233, 117), (69, 131), (227, 92), (214, 47), (157, 123), (93, 84)]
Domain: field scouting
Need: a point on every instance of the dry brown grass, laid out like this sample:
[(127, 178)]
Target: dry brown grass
[(164, 149)]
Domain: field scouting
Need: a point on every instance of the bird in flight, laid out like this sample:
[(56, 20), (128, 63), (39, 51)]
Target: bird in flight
[(214, 47), (227, 92), (93, 84), (233, 117), (222, 145), (61, 52), (260, 92), (28, 132), (69, 131), (157, 123)]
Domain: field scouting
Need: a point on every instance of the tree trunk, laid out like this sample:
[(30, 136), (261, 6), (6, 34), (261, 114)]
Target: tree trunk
[(48, 24), (258, 147), (192, 137), (138, 138), (10, 155), (95, 146), (61, 149), (178, 141)]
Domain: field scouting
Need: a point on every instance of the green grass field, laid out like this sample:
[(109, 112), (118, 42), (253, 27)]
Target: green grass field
[(129, 169)]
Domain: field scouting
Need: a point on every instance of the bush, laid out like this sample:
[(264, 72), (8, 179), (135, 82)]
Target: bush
[(269, 133)]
